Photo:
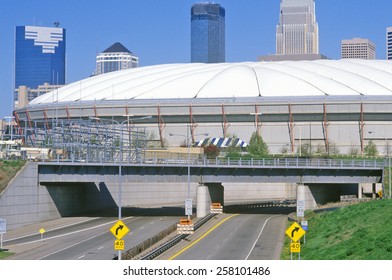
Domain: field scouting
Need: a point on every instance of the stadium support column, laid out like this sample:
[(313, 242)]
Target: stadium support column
[(162, 126), (193, 125), (258, 123), (46, 119), (96, 112), (325, 128), (291, 128), (361, 127), (67, 111), (225, 123)]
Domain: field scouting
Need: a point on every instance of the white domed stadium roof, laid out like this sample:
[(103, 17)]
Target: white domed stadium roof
[(247, 79)]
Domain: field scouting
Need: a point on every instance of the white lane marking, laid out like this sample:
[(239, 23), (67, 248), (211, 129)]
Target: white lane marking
[(73, 224), (100, 248), (257, 239), (70, 233), (81, 257), (70, 246)]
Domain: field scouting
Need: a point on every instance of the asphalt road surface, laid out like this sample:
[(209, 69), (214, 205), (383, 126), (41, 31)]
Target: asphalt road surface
[(87, 238), (234, 237)]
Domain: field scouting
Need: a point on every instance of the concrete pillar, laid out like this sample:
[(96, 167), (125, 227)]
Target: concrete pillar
[(203, 201), (360, 191), (305, 194)]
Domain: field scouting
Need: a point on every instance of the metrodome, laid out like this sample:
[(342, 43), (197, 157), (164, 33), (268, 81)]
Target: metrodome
[(324, 103)]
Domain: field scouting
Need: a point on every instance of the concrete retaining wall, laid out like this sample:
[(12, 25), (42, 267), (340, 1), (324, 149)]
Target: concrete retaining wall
[(24, 202)]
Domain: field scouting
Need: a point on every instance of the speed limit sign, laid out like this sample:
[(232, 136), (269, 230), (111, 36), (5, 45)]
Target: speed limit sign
[(301, 208), (295, 247)]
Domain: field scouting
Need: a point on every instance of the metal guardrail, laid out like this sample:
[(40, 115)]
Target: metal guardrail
[(161, 249), (276, 162)]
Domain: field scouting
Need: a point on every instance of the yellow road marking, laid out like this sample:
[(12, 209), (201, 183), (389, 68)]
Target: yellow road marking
[(201, 237)]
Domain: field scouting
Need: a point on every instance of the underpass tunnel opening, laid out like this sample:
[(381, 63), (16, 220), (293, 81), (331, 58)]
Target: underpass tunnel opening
[(79, 198), (318, 195), (246, 198)]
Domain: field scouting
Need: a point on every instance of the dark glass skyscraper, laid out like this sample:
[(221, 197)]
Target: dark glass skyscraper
[(39, 56), (207, 33)]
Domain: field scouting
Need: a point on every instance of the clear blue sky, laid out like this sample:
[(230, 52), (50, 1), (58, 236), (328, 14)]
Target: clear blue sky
[(158, 31)]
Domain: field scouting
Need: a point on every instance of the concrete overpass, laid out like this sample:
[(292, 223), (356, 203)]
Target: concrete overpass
[(321, 180), (49, 190)]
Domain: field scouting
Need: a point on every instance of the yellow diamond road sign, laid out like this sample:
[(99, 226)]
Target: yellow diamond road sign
[(119, 229), (295, 232)]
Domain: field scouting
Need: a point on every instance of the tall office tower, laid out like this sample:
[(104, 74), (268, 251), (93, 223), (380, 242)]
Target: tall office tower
[(39, 57), (297, 31), (207, 33), (116, 57), (358, 48), (389, 43)]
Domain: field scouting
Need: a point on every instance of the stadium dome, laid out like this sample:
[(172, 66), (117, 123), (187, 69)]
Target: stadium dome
[(247, 79)]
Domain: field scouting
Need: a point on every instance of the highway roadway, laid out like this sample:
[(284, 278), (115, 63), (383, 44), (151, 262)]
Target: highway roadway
[(252, 234), (234, 237), (89, 239)]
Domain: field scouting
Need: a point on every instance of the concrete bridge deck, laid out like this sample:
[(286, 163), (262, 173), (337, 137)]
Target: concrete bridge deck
[(283, 170)]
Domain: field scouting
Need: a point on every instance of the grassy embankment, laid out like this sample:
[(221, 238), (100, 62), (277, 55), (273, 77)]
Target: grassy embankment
[(8, 169), (356, 232)]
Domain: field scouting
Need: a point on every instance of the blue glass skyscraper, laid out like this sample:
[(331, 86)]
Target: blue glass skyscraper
[(207, 33), (39, 56)]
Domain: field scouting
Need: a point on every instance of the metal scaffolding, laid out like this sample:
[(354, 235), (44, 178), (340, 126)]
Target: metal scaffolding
[(92, 140), (96, 141)]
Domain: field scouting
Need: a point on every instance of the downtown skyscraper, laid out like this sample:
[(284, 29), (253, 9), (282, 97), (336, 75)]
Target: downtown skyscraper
[(389, 43), (116, 57), (39, 57), (207, 33), (358, 48), (297, 31)]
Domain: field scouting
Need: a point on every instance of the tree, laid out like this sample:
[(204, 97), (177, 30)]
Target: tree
[(233, 151), (354, 151), (333, 148), (371, 149), (211, 151), (304, 150), (285, 150), (257, 147)]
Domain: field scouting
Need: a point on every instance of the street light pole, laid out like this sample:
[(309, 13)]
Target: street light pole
[(188, 164), (120, 162), (389, 176)]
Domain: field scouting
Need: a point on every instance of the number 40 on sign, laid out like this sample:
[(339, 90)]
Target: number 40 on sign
[(119, 245), (295, 247)]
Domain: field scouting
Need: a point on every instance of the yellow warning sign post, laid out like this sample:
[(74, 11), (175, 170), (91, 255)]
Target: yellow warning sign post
[(295, 232), (119, 245), (119, 229), (295, 247), (42, 231)]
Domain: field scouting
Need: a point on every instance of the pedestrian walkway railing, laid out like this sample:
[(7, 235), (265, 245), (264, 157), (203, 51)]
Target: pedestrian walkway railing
[(276, 162)]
